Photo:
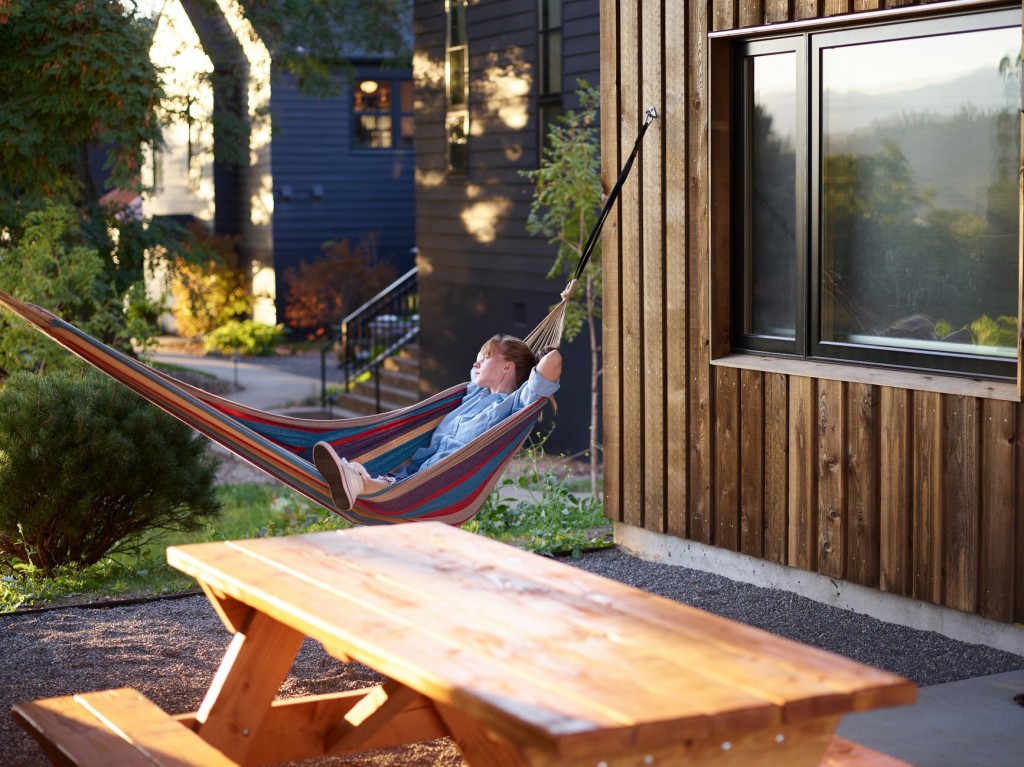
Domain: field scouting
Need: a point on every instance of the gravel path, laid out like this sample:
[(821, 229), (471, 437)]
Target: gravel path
[(169, 650)]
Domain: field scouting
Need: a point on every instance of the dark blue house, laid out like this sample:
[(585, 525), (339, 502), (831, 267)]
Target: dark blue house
[(343, 168)]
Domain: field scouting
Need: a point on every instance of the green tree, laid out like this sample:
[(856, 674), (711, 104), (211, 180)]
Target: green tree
[(313, 41), (54, 264), (566, 203), (77, 77)]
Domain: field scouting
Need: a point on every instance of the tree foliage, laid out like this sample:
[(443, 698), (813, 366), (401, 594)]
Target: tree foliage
[(567, 199), (315, 41), (86, 465), (322, 292), (209, 289), (55, 265), (77, 76)]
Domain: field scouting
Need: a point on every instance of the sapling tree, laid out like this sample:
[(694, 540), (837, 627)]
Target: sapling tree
[(566, 202)]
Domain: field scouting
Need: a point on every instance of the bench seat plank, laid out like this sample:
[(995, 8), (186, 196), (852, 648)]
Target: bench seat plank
[(551, 657), (113, 727)]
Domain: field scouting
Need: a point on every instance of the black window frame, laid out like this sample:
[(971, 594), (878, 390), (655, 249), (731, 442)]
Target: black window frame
[(807, 344)]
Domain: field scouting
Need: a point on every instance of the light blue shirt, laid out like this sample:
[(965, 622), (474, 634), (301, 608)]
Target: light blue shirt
[(480, 410)]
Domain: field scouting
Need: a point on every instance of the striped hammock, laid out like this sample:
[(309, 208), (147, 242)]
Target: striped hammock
[(452, 490)]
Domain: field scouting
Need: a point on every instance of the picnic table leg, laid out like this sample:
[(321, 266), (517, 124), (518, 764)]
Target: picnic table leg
[(254, 667), (478, 747)]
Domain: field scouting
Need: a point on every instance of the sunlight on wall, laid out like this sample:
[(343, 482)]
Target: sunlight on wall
[(505, 86), (180, 176), (481, 218), (264, 291), (429, 178), (258, 235), (427, 73)]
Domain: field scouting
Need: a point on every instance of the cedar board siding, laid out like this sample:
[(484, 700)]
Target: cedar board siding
[(480, 271), (917, 493)]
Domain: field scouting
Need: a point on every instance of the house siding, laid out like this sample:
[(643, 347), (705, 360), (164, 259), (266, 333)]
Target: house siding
[(365, 193), (481, 272), (914, 492)]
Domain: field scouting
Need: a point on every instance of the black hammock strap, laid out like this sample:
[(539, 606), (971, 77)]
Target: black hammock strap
[(549, 332)]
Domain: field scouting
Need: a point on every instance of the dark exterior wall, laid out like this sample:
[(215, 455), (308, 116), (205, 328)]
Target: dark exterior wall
[(481, 273), (364, 192)]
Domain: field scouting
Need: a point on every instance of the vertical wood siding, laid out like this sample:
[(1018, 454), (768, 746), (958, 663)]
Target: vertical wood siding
[(911, 492)]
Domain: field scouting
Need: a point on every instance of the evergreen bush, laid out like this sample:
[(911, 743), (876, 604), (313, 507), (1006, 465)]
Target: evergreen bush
[(86, 466)]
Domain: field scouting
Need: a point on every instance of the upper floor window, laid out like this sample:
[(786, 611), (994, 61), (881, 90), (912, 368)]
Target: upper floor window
[(549, 64), (875, 216), (382, 121), (457, 87)]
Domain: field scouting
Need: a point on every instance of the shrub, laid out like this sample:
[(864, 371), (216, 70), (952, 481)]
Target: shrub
[(322, 292), (209, 288), (86, 466), (250, 338)]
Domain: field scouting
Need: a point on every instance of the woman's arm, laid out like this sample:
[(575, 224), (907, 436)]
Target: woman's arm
[(550, 365)]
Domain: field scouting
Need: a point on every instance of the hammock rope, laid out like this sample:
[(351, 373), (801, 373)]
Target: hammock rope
[(451, 490)]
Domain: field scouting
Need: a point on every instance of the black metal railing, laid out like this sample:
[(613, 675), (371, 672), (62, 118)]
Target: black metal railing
[(373, 332)]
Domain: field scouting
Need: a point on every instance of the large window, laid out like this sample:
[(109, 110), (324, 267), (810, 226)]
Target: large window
[(457, 87), (876, 209), (383, 121)]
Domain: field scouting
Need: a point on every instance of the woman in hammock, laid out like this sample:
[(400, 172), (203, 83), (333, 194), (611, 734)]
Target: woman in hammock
[(506, 377)]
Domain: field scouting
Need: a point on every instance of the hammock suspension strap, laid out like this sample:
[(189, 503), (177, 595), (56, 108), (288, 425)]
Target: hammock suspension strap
[(549, 332)]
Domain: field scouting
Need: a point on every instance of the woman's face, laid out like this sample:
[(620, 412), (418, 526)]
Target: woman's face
[(491, 370)]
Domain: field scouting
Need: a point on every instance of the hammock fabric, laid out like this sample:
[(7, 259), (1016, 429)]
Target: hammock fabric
[(452, 490)]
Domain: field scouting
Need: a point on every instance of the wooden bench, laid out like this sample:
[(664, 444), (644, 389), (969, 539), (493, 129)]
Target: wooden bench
[(112, 728)]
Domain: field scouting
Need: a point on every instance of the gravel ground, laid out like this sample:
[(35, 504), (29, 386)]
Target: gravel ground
[(169, 649)]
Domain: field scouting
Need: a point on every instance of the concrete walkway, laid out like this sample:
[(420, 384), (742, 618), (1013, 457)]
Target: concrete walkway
[(259, 386), (974, 723)]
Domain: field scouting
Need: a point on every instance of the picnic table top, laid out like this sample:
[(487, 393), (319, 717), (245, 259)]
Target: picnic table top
[(540, 652)]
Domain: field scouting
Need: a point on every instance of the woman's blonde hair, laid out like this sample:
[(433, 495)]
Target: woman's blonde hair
[(515, 351)]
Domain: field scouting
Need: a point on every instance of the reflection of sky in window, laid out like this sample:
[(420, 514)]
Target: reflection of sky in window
[(939, 75)]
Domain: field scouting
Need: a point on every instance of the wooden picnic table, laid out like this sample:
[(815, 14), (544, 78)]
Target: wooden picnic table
[(523, 660)]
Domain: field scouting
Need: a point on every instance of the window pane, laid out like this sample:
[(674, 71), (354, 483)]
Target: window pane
[(372, 96), (405, 95), (456, 22), (457, 77), (551, 63), (458, 161), (920, 151), (550, 13), (770, 237), (408, 125), (373, 131)]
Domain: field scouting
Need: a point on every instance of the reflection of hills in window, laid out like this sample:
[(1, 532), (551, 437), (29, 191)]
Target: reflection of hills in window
[(981, 91), (958, 137)]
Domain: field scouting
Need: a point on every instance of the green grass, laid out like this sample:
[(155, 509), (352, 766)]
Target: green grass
[(533, 509)]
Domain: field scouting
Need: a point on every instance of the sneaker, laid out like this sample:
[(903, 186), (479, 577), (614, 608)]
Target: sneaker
[(342, 478)]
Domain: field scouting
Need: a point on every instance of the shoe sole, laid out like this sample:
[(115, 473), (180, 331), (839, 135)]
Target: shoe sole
[(332, 471)]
